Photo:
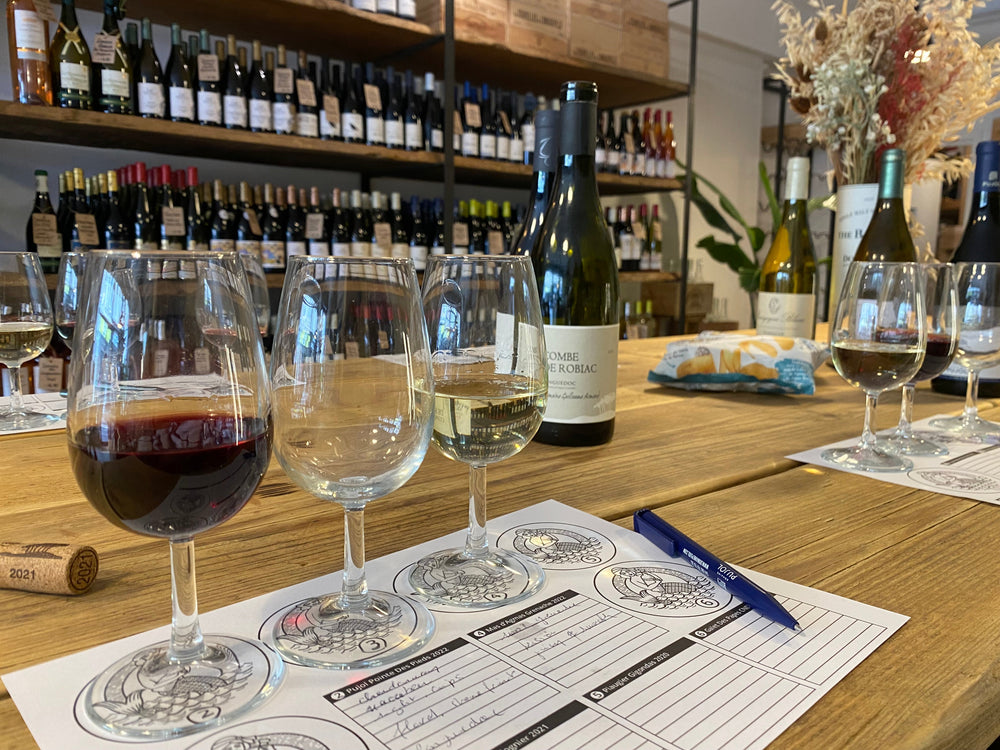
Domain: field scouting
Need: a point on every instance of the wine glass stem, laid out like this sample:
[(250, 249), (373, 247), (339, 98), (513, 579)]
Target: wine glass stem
[(905, 428), (186, 640), (971, 391), (475, 542), (16, 402), (354, 594), (867, 435)]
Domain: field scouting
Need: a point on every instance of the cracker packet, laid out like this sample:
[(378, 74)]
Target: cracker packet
[(716, 361)]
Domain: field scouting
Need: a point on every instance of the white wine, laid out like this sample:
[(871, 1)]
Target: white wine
[(481, 420), (786, 302), (23, 340), (877, 366)]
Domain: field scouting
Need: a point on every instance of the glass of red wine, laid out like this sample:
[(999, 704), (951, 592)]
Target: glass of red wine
[(353, 410), (67, 295), (878, 337), (978, 346), (941, 308), (169, 430)]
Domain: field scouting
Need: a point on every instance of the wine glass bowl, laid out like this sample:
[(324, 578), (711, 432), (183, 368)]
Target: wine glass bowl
[(67, 295), (353, 406), (490, 383), (167, 451), (878, 338)]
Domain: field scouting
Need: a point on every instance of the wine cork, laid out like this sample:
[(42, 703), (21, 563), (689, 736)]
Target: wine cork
[(47, 568)]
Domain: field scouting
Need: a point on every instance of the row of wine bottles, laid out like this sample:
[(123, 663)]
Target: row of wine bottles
[(648, 150), (638, 238)]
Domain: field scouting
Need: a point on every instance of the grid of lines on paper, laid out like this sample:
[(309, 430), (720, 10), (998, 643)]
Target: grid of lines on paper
[(697, 698), (828, 643), (570, 637), (574, 726), (460, 697)]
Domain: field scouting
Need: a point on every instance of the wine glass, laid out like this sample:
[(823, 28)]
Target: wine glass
[(66, 303), (490, 383), (167, 450), (25, 331), (878, 337), (978, 346), (258, 290), (941, 308), (353, 410)]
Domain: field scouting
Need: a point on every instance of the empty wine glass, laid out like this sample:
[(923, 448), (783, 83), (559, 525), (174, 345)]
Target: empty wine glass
[(258, 290), (490, 384), (167, 450), (978, 346), (67, 296), (878, 337), (941, 308), (25, 331), (353, 410)]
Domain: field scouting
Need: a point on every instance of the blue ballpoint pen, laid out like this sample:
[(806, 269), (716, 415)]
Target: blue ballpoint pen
[(675, 544)]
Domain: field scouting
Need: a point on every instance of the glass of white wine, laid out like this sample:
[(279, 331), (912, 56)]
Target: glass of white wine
[(878, 338), (25, 331), (490, 384)]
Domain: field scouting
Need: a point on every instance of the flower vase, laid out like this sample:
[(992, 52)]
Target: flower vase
[(855, 206)]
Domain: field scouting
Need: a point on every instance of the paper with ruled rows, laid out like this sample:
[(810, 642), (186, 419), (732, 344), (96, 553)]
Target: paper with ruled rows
[(969, 470), (43, 403), (623, 648)]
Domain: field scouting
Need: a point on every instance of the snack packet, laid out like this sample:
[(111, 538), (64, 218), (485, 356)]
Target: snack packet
[(734, 362)]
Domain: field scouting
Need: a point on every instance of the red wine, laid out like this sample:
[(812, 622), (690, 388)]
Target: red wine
[(171, 476), (939, 355), (875, 366)]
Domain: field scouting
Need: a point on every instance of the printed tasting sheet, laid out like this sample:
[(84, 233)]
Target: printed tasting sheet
[(970, 470), (623, 648), (45, 403)]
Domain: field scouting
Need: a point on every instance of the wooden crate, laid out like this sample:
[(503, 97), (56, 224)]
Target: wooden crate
[(645, 37), (534, 27), (595, 31), (666, 297)]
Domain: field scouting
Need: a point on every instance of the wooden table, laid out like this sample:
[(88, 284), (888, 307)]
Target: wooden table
[(712, 462)]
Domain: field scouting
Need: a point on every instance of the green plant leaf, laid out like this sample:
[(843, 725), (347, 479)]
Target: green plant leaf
[(772, 201), (727, 253), (710, 213), (749, 278), (756, 236)]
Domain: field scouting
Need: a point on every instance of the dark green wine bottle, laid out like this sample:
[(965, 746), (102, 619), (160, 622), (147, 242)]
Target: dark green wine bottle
[(887, 238), (578, 286)]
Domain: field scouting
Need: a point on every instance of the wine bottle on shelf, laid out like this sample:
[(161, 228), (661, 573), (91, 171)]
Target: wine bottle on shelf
[(669, 150), (146, 231), (99, 201), (435, 231), (28, 38), (600, 144), (419, 238), (307, 112), (63, 211), (361, 227), (501, 123), (407, 9), (222, 235), (84, 232), (528, 127), (546, 165), (196, 218), (400, 234), (295, 226), (516, 137), (248, 229), (283, 87), (374, 124), (209, 84), (495, 242), (234, 98), (980, 244), (317, 228), (887, 238), (70, 62), (477, 229), (387, 7), (786, 301), (340, 226), (509, 225), (639, 134), (487, 129), (626, 152), (272, 240), (433, 117), (170, 213), (393, 116), (656, 242), (261, 96), (640, 227), (579, 296), (149, 77), (329, 115), (112, 68), (117, 233), (42, 232), (651, 133), (352, 110), (471, 122), (413, 127), (381, 244), (180, 80), (131, 38), (191, 50)]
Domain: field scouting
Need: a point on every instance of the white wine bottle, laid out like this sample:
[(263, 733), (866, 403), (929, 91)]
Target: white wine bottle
[(887, 238), (786, 300), (578, 286)]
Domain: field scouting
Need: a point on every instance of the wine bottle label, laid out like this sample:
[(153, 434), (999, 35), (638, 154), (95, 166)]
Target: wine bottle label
[(307, 124), (86, 229), (341, 249), (208, 68), (261, 115), (272, 254), (306, 92), (487, 146), (368, 5), (48, 14), (360, 249), (74, 76), (222, 246), (249, 247), (29, 32), (45, 234), (639, 164), (600, 157), (173, 221), (49, 374), (375, 128), (640, 231), (352, 124), (161, 361), (470, 144), (181, 103), (516, 150), (583, 373), (613, 159), (400, 250), (657, 230), (382, 237), (210, 107), (407, 9), (373, 97), (151, 99), (386, 6), (495, 240), (503, 148), (376, 250), (473, 117), (437, 138), (293, 248), (394, 133), (202, 361), (650, 170), (329, 124), (661, 167), (418, 253), (528, 135), (105, 51), (284, 81), (413, 135), (459, 235), (284, 117), (235, 110), (314, 226), (780, 314), (669, 168), (115, 83)]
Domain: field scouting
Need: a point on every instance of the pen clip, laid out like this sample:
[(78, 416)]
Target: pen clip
[(643, 525)]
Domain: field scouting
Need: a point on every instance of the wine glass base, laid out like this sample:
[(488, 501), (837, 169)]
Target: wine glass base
[(911, 445), (324, 632), (26, 420), (484, 581), (969, 429), (146, 696), (857, 458)]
